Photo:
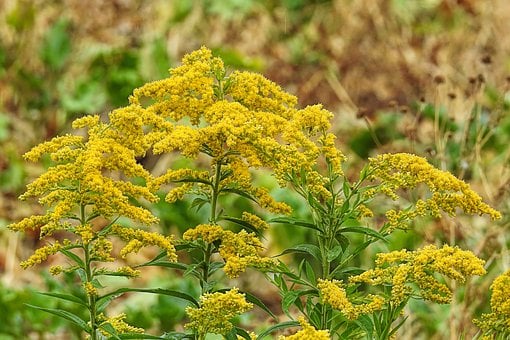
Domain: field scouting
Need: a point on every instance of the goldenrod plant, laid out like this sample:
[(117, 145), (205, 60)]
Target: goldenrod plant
[(229, 127)]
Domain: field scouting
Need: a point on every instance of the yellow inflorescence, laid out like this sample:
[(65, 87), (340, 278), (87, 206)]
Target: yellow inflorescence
[(401, 268), (255, 221), (138, 238), (118, 323), (496, 325), (406, 171), (308, 332), (238, 250), (215, 312), (334, 294), (41, 254)]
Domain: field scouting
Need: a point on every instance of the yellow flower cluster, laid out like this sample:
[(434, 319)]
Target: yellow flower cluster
[(215, 312), (207, 232), (334, 294), (255, 221), (496, 325), (308, 332), (101, 250), (138, 239), (242, 121), (90, 290), (238, 250), (406, 171), (401, 268), (241, 250), (119, 324), (40, 255)]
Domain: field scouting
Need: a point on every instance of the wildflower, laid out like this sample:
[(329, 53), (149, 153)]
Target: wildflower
[(407, 171), (334, 294), (101, 250), (497, 323), (128, 271), (401, 268), (41, 254), (207, 232), (308, 332), (138, 238), (90, 289), (56, 270), (240, 250), (118, 323), (216, 310), (254, 220)]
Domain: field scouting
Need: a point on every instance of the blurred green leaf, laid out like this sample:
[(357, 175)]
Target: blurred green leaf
[(56, 45)]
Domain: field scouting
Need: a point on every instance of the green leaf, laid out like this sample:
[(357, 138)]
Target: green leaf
[(65, 315), (110, 330), (363, 230), (279, 326), (159, 291), (66, 297), (242, 223), (288, 300), (148, 336), (332, 254), (310, 273), (243, 333), (346, 189), (240, 193), (198, 202), (256, 301), (292, 221), (304, 248), (73, 257), (365, 323)]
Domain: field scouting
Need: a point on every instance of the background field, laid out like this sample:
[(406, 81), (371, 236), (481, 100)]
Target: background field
[(431, 77)]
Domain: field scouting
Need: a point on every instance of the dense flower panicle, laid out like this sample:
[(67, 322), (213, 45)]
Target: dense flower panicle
[(407, 171), (244, 115), (53, 146), (401, 268), (138, 239), (496, 325), (255, 221), (334, 156), (241, 250), (90, 290), (188, 92), (334, 294), (238, 250), (207, 232), (119, 324), (260, 94), (308, 332), (40, 255), (101, 250), (216, 310), (81, 179)]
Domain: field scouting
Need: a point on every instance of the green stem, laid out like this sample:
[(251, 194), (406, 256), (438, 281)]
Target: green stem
[(92, 298), (214, 203), (89, 277)]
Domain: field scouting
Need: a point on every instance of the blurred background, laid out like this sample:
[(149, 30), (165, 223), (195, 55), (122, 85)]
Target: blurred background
[(430, 77)]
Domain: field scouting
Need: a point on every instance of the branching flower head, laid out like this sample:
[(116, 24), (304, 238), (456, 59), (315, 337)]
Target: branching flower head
[(333, 293), (238, 250), (497, 323), (401, 268), (308, 332), (216, 312), (407, 171)]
